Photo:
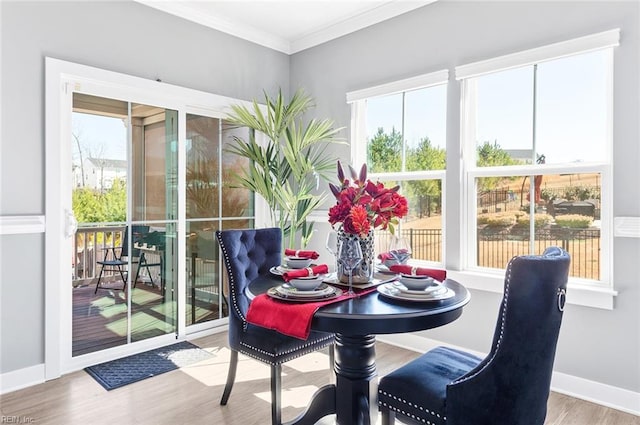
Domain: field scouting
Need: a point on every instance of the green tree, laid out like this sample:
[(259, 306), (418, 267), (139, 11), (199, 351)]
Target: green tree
[(489, 155), (92, 206), (385, 151), (426, 193)]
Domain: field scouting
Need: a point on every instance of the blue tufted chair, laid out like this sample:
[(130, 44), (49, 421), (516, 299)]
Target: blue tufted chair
[(246, 255), (508, 387)]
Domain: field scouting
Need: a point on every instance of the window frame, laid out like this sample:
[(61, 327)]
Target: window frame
[(593, 293), (357, 101)]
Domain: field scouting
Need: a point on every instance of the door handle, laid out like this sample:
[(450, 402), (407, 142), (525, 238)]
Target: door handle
[(70, 224)]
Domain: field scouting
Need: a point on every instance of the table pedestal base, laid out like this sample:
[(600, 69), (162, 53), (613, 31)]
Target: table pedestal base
[(353, 397)]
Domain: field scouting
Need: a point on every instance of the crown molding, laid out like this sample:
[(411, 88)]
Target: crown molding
[(356, 22), (348, 25), (227, 26)]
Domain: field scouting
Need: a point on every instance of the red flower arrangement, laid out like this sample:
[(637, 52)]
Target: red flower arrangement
[(363, 205)]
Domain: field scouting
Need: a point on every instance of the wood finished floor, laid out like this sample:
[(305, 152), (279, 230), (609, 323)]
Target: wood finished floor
[(191, 395)]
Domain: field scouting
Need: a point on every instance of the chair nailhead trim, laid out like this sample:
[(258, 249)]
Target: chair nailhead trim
[(441, 418), (308, 346), (232, 283)]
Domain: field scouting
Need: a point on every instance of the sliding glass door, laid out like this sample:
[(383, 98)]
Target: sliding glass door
[(124, 198)]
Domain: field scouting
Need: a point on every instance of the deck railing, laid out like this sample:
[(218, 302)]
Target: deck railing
[(89, 246)]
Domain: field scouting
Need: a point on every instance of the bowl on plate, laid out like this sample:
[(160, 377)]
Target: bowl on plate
[(308, 283), (297, 262), (416, 282)]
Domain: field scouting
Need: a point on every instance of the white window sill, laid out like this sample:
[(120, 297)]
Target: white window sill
[(577, 293)]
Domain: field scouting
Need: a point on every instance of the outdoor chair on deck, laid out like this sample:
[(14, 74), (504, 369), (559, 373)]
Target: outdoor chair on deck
[(116, 258), (511, 385), (246, 255)]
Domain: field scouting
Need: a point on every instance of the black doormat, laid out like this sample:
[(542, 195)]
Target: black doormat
[(120, 372)]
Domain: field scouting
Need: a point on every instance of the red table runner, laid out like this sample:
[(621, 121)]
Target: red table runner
[(290, 318)]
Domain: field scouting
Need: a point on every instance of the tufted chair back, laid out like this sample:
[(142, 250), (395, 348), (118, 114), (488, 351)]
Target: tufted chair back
[(511, 385), (246, 254)]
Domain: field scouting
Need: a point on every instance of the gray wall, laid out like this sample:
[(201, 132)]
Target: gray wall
[(127, 37), (598, 345), (119, 36)]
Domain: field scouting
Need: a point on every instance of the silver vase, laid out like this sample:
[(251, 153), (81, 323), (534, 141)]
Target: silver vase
[(363, 273)]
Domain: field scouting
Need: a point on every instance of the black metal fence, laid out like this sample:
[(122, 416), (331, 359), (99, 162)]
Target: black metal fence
[(496, 246)]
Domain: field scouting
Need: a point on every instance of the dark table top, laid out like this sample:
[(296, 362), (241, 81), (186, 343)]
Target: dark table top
[(375, 314)]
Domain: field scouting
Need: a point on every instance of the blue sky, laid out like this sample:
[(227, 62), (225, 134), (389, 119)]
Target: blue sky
[(571, 110)]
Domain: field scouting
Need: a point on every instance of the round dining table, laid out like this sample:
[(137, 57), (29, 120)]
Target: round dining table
[(355, 323)]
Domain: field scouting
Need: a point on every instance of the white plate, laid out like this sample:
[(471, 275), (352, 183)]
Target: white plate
[(280, 270), (391, 291), (288, 290), (295, 297)]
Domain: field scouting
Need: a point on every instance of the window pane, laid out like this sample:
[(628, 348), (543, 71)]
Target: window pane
[(425, 128), (203, 289), (236, 201), (572, 108), (384, 133), (202, 153), (567, 215), (504, 117), (423, 224), (154, 134)]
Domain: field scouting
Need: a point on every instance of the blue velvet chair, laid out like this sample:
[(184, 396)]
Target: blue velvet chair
[(508, 387), (246, 255)]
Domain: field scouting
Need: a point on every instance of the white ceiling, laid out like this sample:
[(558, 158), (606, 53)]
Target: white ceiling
[(287, 26)]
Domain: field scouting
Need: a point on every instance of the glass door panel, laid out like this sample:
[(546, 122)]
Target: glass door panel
[(154, 136), (124, 271), (100, 316), (203, 211), (211, 198)]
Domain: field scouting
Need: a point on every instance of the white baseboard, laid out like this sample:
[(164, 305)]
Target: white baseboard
[(21, 378), (584, 389)]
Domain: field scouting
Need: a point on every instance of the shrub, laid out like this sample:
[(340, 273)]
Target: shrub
[(574, 221), (541, 220), (501, 219)]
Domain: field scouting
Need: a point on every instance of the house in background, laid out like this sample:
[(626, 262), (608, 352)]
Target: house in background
[(100, 173), (598, 356)]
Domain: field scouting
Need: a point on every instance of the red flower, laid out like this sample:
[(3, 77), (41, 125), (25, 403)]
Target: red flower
[(362, 204)]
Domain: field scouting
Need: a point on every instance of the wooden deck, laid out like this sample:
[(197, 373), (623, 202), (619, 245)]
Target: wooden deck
[(100, 320)]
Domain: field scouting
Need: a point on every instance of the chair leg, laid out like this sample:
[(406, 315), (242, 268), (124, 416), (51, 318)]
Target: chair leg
[(276, 392), (124, 280), (98, 283), (231, 377), (388, 417)]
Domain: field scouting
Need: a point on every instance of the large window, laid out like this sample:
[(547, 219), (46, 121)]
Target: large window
[(537, 156), (401, 127)]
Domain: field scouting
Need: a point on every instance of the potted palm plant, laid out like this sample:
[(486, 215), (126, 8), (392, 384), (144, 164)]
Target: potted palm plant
[(287, 165)]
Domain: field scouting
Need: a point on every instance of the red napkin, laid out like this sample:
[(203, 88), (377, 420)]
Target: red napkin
[(293, 319), (437, 274), (384, 256), (307, 271), (302, 254)]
